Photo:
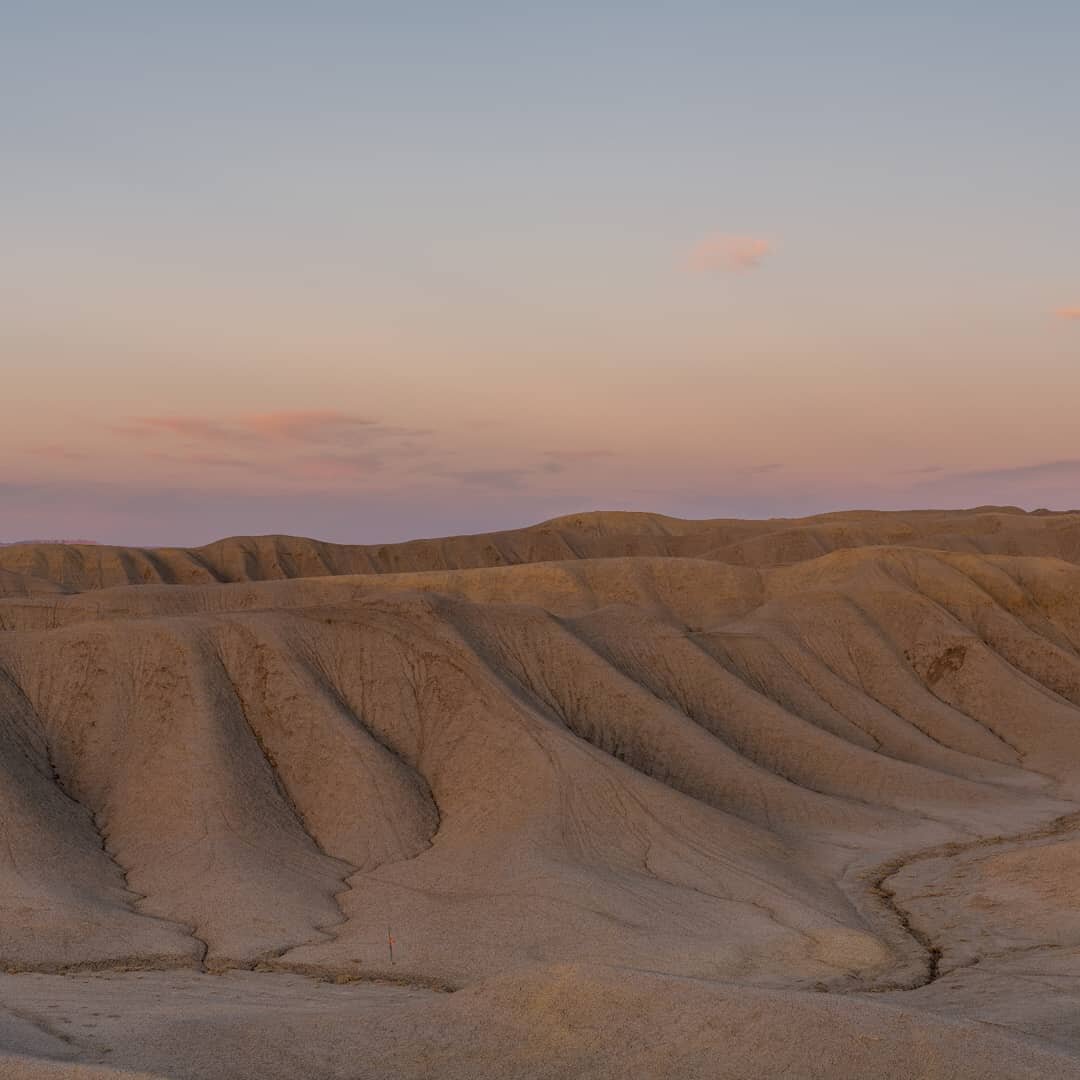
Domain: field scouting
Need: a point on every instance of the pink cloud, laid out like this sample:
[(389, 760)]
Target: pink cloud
[(1071, 313), (348, 445), (207, 460), (188, 427), (335, 466), (60, 453), (305, 425), (557, 461), (736, 254), (289, 425), (577, 455)]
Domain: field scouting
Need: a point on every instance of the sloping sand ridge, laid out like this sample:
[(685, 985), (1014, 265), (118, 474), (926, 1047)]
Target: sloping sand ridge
[(630, 794)]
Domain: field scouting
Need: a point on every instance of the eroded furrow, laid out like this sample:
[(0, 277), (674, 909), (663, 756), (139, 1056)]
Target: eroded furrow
[(932, 944)]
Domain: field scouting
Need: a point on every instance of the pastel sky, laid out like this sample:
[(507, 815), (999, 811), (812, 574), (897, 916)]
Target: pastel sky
[(367, 271)]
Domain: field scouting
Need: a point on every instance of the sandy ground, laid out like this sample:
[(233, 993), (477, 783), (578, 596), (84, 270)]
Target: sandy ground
[(551, 1022), (718, 799)]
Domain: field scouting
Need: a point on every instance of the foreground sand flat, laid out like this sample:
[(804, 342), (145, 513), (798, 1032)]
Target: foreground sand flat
[(727, 799)]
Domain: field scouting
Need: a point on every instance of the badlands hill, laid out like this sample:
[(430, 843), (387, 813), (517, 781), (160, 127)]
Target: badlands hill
[(631, 795), (987, 530)]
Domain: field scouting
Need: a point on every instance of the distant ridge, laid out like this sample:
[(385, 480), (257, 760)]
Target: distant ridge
[(999, 530), (77, 543)]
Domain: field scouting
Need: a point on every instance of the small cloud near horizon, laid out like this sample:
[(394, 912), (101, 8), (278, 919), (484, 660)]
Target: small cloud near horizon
[(556, 461), (60, 453), (1069, 314), (305, 425), (577, 455), (501, 479), (1065, 467), (315, 426), (212, 461), (735, 254), (187, 427), (340, 465)]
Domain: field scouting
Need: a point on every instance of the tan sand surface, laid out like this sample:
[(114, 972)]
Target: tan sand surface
[(632, 795)]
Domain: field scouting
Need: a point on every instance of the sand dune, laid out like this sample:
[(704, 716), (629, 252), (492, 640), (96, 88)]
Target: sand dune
[(760, 789)]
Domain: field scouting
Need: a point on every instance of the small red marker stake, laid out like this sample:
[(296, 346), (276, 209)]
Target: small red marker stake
[(390, 943)]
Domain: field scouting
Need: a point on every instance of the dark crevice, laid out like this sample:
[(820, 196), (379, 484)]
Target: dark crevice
[(930, 949)]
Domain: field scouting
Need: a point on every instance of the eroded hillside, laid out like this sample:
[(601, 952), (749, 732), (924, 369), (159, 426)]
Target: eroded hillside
[(601, 535), (855, 772)]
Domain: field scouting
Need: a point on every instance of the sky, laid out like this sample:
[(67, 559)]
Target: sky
[(367, 271)]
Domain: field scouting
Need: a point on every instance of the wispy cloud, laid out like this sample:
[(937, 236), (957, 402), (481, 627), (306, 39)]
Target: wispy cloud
[(1068, 313), (501, 479), (557, 461), (577, 455), (722, 252), (196, 428), (331, 466), (60, 453), (1066, 468), (210, 461), (326, 427), (306, 425)]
